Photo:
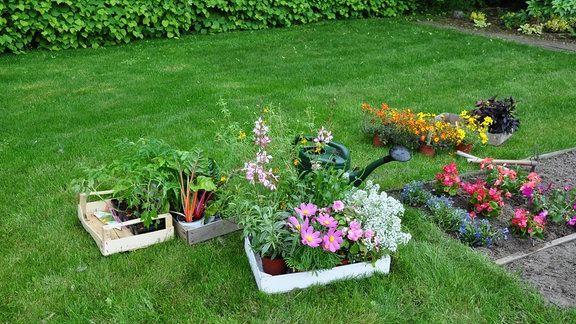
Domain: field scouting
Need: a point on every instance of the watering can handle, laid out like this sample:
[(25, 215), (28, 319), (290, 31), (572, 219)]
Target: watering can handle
[(342, 150)]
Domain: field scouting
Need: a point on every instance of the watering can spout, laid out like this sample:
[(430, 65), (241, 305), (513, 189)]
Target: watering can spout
[(397, 153)]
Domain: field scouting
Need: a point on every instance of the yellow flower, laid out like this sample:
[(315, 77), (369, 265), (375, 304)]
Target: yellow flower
[(296, 162), (265, 110), (304, 141), (222, 179), (242, 135)]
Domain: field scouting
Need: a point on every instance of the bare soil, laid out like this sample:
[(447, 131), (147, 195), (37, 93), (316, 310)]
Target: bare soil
[(496, 29)]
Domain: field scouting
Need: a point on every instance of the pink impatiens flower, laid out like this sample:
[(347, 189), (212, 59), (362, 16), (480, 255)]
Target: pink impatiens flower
[(354, 232), (338, 205)]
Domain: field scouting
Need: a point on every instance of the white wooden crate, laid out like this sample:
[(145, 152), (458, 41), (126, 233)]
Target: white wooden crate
[(287, 282), (111, 240)]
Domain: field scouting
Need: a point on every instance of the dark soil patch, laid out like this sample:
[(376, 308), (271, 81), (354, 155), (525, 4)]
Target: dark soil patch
[(496, 29), (551, 269)]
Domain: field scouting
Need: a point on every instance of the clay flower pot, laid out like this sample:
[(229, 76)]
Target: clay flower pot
[(464, 147), (426, 149), (273, 266), (376, 141)]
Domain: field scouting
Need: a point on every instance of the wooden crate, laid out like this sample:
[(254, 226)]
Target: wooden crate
[(290, 281), (207, 231), (111, 240)]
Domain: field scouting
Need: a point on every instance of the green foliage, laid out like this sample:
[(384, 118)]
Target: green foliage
[(544, 9), (63, 24)]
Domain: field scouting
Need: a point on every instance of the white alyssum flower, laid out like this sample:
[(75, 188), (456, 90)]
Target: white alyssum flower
[(382, 214)]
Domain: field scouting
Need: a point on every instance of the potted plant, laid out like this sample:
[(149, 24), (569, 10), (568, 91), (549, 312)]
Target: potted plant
[(471, 131), (144, 179), (197, 186), (503, 115)]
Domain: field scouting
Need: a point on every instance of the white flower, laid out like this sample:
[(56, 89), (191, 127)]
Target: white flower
[(382, 214)]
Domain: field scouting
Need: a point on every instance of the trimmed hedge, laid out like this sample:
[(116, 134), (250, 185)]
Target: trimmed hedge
[(63, 24)]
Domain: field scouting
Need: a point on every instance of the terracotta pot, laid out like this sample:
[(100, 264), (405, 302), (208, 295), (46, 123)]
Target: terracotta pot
[(273, 266), (466, 148), (426, 149), (376, 140)]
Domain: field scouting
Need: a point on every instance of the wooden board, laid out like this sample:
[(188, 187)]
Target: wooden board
[(206, 232), (111, 240)]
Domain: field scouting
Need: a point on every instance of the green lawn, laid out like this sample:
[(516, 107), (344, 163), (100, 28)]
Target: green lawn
[(63, 110)]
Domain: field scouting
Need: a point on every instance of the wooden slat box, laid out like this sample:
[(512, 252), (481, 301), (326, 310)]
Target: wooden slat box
[(206, 232), (111, 240)]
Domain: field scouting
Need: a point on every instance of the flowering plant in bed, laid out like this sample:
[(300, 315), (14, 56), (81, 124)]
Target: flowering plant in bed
[(525, 223), (448, 181)]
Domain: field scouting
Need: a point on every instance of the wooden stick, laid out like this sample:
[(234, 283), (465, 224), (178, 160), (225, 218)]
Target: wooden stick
[(474, 159), (531, 251)]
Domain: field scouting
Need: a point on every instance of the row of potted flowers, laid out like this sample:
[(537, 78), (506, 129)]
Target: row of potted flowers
[(431, 133)]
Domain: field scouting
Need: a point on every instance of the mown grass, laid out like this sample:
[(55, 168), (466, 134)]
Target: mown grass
[(63, 110)]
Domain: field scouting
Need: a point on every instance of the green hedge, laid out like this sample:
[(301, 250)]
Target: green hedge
[(62, 24)]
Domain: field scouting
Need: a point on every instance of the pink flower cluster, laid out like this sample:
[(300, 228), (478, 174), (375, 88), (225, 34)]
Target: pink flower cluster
[(449, 180), (321, 227), (324, 136), (527, 188), (255, 169), (487, 202), (525, 223)]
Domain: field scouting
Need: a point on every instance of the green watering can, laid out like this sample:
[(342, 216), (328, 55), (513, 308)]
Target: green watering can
[(337, 155)]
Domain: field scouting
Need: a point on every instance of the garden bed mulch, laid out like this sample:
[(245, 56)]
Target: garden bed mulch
[(551, 269)]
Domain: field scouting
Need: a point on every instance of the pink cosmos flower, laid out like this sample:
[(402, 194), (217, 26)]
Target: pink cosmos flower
[(306, 210), (332, 240), (327, 220), (310, 237), (338, 205), (294, 223)]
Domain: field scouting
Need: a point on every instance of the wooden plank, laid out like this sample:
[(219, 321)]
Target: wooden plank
[(520, 255)]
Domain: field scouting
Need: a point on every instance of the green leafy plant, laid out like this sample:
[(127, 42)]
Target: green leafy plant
[(530, 29), (502, 112), (479, 19)]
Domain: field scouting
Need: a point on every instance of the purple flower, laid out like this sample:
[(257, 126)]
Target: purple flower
[(306, 210), (572, 222), (327, 220), (567, 188), (310, 237), (332, 240)]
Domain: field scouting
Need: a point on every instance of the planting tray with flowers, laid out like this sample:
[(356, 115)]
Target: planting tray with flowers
[(290, 281)]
